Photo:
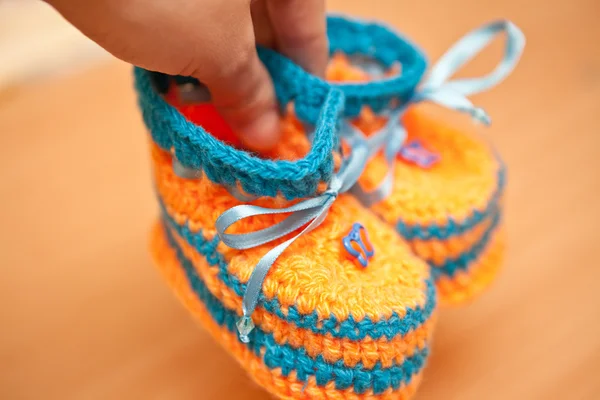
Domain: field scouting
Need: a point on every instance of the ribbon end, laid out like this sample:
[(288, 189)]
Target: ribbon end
[(478, 114), (245, 325), (184, 172)]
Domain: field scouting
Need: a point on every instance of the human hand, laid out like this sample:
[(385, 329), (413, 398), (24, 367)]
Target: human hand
[(215, 42)]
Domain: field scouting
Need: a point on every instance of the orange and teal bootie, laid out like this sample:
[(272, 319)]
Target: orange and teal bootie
[(312, 293), (440, 184)]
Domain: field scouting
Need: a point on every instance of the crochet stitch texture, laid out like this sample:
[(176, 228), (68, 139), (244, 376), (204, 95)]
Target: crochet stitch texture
[(450, 213), (324, 327)]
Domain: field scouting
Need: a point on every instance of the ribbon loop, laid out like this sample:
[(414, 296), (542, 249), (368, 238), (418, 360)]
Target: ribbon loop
[(466, 49), (302, 213)]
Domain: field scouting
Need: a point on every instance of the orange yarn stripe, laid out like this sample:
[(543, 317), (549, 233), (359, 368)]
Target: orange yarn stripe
[(394, 280), (466, 285)]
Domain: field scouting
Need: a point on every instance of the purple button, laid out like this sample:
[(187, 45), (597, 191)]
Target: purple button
[(358, 245), (414, 152)]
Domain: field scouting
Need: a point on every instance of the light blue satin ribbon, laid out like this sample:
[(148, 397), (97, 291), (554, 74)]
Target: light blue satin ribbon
[(311, 211), (191, 173), (439, 89)]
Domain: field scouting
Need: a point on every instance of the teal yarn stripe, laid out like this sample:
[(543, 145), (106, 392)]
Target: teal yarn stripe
[(465, 260), (289, 359), (452, 227), (387, 47), (348, 328)]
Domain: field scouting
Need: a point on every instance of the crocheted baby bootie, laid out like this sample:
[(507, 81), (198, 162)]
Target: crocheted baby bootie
[(312, 293), (440, 184)]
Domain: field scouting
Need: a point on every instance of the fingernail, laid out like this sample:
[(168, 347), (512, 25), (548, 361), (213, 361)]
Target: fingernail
[(262, 132)]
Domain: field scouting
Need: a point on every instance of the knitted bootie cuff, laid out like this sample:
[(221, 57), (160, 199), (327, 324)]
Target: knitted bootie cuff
[(365, 40), (195, 148)]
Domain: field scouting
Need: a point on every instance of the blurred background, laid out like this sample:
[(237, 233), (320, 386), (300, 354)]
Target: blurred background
[(85, 316), (36, 42)]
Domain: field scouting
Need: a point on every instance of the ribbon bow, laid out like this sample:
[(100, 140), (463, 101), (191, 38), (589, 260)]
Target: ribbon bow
[(311, 211), (439, 89)]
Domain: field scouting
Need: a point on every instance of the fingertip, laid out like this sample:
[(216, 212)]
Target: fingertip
[(260, 133), (243, 93), (247, 102)]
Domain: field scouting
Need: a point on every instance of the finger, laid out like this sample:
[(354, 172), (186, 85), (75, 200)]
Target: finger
[(242, 89), (301, 32), (263, 30), (212, 40)]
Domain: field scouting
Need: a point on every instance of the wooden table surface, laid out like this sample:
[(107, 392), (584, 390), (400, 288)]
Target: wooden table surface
[(84, 315)]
